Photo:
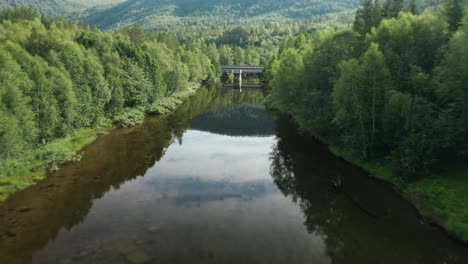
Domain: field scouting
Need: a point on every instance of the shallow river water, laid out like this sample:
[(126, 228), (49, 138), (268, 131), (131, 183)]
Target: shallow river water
[(221, 180)]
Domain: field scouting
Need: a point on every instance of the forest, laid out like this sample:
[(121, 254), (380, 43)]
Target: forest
[(389, 94), (59, 7), (62, 80), (170, 15), (59, 79)]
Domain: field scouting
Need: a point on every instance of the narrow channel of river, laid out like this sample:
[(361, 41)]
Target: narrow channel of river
[(218, 181)]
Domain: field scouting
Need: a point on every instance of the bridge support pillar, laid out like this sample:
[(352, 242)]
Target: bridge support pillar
[(238, 79)]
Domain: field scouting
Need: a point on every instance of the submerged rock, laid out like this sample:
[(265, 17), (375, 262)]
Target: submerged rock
[(24, 209), (10, 234)]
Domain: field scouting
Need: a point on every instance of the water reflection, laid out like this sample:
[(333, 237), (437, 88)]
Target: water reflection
[(366, 221), (64, 199), (210, 198), (216, 158), (215, 182), (237, 113)]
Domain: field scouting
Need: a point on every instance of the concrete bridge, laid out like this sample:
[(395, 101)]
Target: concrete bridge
[(238, 70), (247, 69)]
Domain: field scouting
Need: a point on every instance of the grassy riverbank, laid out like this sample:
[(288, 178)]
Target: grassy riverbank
[(441, 198), (20, 172)]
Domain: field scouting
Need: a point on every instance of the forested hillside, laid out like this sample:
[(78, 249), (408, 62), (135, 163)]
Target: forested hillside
[(57, 7), (42, 6), (389, 94), (176, 13)]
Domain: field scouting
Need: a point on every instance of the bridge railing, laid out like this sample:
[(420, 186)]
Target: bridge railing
[(243, 68)]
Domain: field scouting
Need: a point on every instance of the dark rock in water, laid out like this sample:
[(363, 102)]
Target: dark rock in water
[(24, 209), (10, 234)]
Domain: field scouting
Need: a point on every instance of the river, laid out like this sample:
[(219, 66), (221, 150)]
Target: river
[(220, 180)]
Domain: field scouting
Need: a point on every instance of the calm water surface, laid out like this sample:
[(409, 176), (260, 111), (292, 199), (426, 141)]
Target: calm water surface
[(218, 181)]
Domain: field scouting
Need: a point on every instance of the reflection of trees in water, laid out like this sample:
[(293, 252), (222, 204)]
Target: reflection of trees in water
[(287, 171), (236, 120), (302, 169), (64, 199), (236, 114)]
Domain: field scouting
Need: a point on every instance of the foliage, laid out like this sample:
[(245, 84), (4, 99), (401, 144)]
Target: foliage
[(454, 13), (389, 96), (57, 78), (57, 7), (129, 118), (397, 93), (184, 13), (19, 172), (359, 97), (442, 197)]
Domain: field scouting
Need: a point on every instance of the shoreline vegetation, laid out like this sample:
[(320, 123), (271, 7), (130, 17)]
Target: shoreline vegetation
[(62, 84), (36, 164), (389, 96), (435, 198)]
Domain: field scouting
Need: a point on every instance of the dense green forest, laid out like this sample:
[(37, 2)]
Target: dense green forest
[(58, 78), (388, 93), (189, 15), (61, 80), (59, 7), (177, 13)]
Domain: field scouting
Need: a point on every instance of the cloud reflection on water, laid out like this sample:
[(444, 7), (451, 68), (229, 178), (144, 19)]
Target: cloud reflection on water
[(240, 159)]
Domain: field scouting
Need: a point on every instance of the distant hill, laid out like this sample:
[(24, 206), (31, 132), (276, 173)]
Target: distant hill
[(170, 14), (58, 7), (42, 6), (161, 14)]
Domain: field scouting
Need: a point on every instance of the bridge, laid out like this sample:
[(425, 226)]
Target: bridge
[(242, 69), (238, 70)]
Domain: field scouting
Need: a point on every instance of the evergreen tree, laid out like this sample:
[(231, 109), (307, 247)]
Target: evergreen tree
[(412, 7), (452, 91), (367, 17), (454, 13), (391, 8)]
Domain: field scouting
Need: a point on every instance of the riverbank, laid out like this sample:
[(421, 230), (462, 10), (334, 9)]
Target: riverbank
[(18, 173), (440, 199)]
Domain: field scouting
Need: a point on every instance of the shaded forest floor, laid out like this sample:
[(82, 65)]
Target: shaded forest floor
[(440, 198)]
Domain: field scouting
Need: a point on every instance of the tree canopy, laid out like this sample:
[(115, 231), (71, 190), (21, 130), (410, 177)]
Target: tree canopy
[(394, 90)]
